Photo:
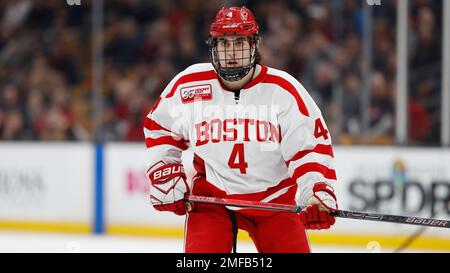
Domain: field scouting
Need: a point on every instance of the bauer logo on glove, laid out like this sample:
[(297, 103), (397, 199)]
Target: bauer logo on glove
[(168, 186)]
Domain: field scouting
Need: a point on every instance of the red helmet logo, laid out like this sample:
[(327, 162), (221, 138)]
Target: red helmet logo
[(234, 21)]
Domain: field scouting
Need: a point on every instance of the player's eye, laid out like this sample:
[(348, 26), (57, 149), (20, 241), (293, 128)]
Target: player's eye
[(240, 41), (222, 42)]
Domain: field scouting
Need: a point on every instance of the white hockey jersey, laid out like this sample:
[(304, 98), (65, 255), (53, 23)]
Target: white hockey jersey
[(268, 143)]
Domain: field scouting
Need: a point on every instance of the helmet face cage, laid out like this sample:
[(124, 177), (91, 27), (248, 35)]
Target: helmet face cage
[(241, 48)]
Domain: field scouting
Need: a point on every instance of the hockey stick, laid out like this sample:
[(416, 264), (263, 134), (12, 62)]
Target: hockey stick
[(421, 230), (339, 213)]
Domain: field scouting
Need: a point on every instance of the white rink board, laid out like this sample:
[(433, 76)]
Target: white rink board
[(370, 171), (126, 187), (54, 182), (46, 182), (127, 191)]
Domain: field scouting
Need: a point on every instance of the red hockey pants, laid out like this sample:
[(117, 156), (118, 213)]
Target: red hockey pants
[(209, 228)]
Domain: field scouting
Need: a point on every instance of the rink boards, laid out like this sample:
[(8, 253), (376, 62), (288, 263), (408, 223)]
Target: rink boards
[(73, 187)]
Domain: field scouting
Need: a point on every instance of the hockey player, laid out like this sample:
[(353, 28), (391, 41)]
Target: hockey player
[(256, 134)]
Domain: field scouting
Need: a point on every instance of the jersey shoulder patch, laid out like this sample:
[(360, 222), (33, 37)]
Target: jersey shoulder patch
[(199, 92)]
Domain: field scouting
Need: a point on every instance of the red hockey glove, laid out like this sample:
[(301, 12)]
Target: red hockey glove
[(179, 208), (167, 188), (316, 213)]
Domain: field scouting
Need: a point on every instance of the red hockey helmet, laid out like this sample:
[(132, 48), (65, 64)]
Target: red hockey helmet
[(234, 21)]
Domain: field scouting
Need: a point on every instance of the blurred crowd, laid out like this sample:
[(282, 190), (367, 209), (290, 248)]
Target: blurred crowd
[(46, 63)]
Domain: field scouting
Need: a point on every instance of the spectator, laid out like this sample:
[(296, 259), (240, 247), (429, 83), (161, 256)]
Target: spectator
[(45, 62)]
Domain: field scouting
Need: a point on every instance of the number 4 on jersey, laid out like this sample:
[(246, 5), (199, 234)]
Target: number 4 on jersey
[(319, 130), (237, 160)]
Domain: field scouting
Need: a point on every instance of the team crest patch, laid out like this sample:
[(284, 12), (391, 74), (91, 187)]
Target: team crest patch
[(196, 93)]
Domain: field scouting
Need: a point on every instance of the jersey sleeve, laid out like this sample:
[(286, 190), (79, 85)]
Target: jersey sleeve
[(306, 144), (164, 131)]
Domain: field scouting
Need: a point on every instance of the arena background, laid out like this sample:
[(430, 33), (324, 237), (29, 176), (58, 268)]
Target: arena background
[(77, 79)]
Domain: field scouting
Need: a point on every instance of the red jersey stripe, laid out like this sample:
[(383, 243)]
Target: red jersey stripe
[(261, 76), (314, 167), (153, 125), (202, 187), (199, 165), (286, 85), (192, 77), (165, 140), (320, 149)]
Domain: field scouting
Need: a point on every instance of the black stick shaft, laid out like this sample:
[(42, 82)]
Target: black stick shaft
[(339, 213), (392, 218)]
